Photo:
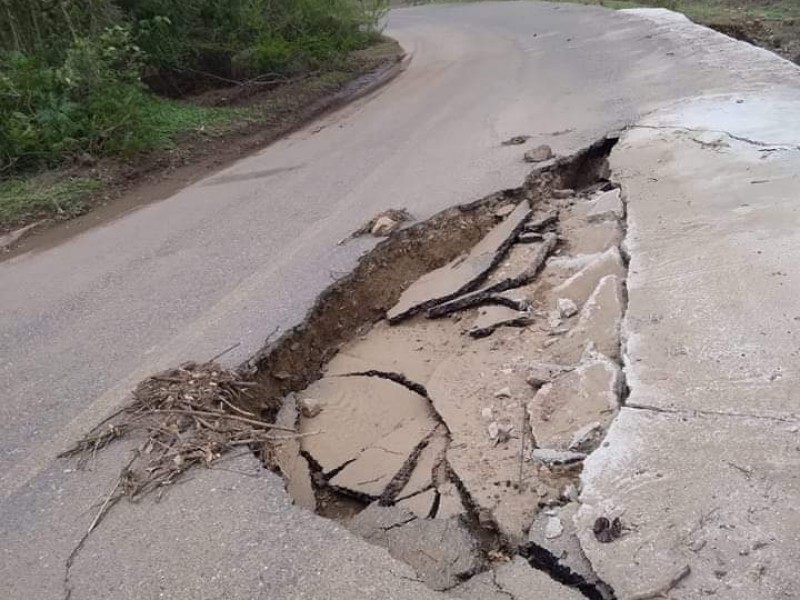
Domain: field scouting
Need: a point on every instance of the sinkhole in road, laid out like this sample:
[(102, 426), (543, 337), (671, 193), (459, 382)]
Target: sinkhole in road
[(447, 391), (439, 400)]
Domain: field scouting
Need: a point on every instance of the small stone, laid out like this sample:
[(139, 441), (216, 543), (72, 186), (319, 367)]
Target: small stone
[(309, 407), (553, 528), (503, 393), (570, 492), (556, 458), (494, 430), (384, 226), (486, 413), (539, 154), (540, 373), (562, 194), (566, 308)]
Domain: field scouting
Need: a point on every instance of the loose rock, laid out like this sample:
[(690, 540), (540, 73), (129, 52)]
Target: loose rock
[(553, 528), (566, 307), (539, 154), (384, 226), (309, 407), (540, 373), (562, 193)]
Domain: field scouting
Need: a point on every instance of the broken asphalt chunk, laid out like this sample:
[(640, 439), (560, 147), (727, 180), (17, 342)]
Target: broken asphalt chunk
[(359, 413), (587, 394), (491, 318), (463, 274), (441, 551), (607, 206), (580, 286)]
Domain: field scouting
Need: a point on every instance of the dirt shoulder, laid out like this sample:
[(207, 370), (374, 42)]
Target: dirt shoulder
[(82, 196)]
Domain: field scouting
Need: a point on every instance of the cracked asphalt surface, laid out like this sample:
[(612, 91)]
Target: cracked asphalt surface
[(232, 257)]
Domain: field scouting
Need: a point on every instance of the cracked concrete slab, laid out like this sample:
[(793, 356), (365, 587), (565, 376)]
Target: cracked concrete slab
[(514, 580), (413, 348), (376, 465), (464, 273), (580, 286), (586, 395), (565, 546), (719, 494), (490, 318), (607, 206), (430, 458), (705, 480), (357, 413), (293, 467), (441, 551), (599, 323), (192, 545)]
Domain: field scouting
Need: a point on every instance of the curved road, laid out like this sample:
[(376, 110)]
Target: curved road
[(247, 250)]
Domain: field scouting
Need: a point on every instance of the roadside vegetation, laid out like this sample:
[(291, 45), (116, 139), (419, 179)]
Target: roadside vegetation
[(88, 80), (773, 24)]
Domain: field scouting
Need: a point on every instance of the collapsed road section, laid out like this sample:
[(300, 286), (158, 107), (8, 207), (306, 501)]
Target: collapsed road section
[(440, 400), (451, 428)]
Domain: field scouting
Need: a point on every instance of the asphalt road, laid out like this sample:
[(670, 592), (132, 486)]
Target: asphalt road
[(247, 250)]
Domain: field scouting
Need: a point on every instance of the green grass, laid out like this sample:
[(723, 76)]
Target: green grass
[(25, 200), (166, 121)]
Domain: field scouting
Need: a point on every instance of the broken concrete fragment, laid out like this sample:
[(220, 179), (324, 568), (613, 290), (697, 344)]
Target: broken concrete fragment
[(580, 286), (565, 548), (539, 154), (384, 226), (450, 503), (359, 412), (441, 551), (421, 504), (539, 373), (292, 465), (600, 321), (493, 429), (566, 308), (587, 438), (553, 528), (607, 206), (541, 223), (556, 458), (491, 318), (581, 237), (462, 274), (588, 394), (373, 469), (514, 580), (430, 457), (309, 407)]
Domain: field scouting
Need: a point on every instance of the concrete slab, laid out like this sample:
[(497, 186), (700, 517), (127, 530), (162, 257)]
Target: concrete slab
[(376, 465), (586, 395), (720, 494), (463, 274), (517, 580), (357, 413), (441, 551), (580, 286), (293, 467), (607, 206), (701, 466)]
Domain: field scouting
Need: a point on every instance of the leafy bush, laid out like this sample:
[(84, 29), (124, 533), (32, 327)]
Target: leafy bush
[(70, 70)]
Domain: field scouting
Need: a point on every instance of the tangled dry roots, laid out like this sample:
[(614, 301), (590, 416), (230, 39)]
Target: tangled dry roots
[(188, 416)]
